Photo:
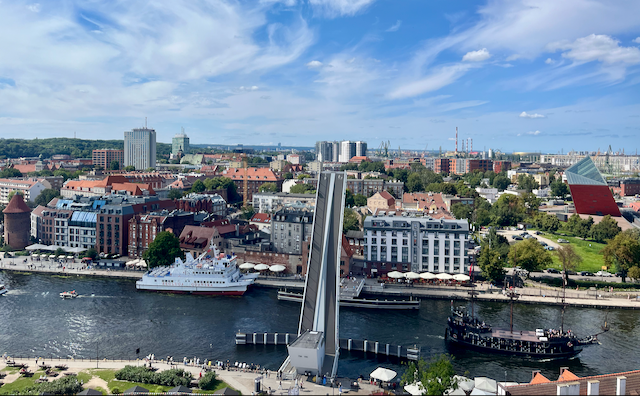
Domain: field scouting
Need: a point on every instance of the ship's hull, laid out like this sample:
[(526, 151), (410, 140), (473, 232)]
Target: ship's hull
[(201, 293), (531, 350), (235, 290)]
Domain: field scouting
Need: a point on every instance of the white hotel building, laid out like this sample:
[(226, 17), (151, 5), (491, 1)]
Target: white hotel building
[(416, 244)]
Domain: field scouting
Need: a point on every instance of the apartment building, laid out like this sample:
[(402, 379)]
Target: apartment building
[(144, 228), (103, 158), (255, 177), (415, 244), (290, 227), (267, 202), (210, 203), (30, 189)]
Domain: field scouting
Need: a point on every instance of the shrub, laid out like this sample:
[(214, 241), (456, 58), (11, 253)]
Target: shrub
[(572, 283), (173, 377), (116, 391), (63, 386), (208, 381)]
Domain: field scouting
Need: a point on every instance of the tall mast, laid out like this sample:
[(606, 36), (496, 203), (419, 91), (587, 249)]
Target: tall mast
[(564, 282)]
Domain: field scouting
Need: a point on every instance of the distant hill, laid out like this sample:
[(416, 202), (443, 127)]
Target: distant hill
[(76, 148)]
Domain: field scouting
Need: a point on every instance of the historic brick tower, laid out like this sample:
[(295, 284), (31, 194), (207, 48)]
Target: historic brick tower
[(17, 223)]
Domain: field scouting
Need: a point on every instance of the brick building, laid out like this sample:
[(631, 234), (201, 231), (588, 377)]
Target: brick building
[(103, 158), (196, 240), (381, 200), (144, 228), (256, 177), (441, 165), (499, 166), (210, 203)]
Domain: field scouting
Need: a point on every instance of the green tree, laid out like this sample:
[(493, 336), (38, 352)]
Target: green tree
[(623, 251), (569, 259), (92, 253), (248, 212), (208, 381), (461, 211), (59, 252), (414, 183), (527, 182), (302, 188), (288, 176), (303, 176), (349, 201), (359, 200), (496, 242), (529, 255), (492, 264), (436, 376), (14, 192), (508, 210), (501, 182), (350, 220), (269, 187), (198, 186), (10, 172), (558, 188), (115, 165), (607, 228), (634, 273), (546, 222), (46, 196), (129, 168), (163, 250), (174, 193)]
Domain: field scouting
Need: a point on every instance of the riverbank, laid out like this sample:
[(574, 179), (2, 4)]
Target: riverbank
[(537, 293), (243, 381)]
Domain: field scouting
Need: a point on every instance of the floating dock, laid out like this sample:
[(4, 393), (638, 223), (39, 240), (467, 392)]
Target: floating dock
[(346, 344), (358, 302)]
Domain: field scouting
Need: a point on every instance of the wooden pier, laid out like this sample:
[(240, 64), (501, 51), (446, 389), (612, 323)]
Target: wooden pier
[(346, 344)]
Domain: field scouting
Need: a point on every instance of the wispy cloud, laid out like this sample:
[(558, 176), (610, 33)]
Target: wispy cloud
[(314, 64), (599, 47), (476, 56), (524, 114), (335, 8), (436, 80), (395, 27), (535, 133)]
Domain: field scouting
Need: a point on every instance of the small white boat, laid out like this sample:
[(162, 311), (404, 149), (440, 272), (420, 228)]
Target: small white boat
[(3, 290), (69, 294)]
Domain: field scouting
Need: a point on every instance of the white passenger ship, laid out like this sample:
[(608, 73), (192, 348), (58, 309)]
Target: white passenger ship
[(213, 273)]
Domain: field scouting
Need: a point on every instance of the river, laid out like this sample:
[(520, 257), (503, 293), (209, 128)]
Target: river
[(114, 318)]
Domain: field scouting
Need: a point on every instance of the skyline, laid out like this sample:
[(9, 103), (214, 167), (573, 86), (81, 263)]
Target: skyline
[(509, 75)]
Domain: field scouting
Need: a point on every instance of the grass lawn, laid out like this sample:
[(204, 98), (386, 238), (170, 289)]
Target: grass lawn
[(20, 383), (592, 260), (109, 376)]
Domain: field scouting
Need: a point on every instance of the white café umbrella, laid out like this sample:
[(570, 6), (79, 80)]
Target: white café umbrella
[(464, 383), (43, 256), (141, 264), (70, 257), (412, 275), (485, 384), (131, 263), (247, 266), (52, 256), (444, 276), (383, 374), (395, 274), (414, 389), (261, 267), (461, 277), (428, 275), (277, 268)]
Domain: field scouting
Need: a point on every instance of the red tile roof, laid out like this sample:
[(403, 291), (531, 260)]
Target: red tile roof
[(17, 205), (258, 174), (264, 218), (539, 379)]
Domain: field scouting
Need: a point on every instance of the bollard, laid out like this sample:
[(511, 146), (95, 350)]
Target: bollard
[(349, 342), (387, 349), (399, 351), (364, 349), (275, 339), (265, 338), (377, 343), (286, 338), (255, 337)]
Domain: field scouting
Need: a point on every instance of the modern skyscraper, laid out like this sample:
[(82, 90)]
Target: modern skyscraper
[(339, 151), (180, 142), (140, 148), (361, 149)]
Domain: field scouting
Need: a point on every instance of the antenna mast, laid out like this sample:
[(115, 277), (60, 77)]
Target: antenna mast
[(456, 141)]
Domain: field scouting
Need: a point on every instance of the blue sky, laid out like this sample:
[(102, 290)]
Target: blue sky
[(543, 75)]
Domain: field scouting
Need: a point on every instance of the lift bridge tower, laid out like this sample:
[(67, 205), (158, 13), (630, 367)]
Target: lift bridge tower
[(316, 349)]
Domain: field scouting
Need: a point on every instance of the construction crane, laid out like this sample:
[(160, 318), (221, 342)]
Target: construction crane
[(384, 146)]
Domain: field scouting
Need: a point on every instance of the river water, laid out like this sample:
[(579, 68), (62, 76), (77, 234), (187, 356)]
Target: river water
[(114, 318)]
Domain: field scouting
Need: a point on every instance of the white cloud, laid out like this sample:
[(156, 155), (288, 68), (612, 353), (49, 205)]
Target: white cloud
[(441, 78), (599, 47), (637, 40), (476, 56), (513, 57), (34, 7), (395, 26), (535, 133), (524, 114), (252, 88), (549, 61), (335, 8), (314, 64)]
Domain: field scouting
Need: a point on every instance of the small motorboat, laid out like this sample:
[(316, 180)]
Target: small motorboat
[(3, 290), (69, 294)]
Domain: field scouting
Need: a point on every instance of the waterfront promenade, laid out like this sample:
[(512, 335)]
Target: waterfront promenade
[(243, 381), (533, 293)]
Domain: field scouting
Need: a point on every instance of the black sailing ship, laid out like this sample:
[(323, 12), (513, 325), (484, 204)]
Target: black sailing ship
[(466, 331)]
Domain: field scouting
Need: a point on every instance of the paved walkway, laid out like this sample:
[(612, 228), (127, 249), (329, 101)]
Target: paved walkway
[(242, 381)]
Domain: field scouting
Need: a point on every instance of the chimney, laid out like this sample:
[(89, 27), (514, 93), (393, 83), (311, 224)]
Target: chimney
[(593, 388), (621, 385), (533, 374), (563, 369)]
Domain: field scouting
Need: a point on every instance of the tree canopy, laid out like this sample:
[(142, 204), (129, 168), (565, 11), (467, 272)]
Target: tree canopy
[(14, 192), (350, 220), (302, 188), (46, 196), (492, 264), (269, 187), (569, 259), (174, 193), (436, 376), (10, 172), (163, 250), (607, 228), (558, 188), (623, 251), (527, 182), (529, 255)]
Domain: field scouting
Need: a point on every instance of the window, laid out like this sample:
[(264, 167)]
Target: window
[(405, 254), (405, 242), (374, 241)]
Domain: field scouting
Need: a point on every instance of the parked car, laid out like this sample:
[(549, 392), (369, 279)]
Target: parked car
[(552, 271), (538, 233), (586, 273), (604, 273), (549, 248), (543, 243), (560, 240), (516, 238)]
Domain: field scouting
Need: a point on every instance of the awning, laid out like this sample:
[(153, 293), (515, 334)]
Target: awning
[(383, 374), (277, 268), (428, 275)]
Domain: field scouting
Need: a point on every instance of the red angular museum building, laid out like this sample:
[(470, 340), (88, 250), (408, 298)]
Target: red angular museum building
[(590, 192)]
